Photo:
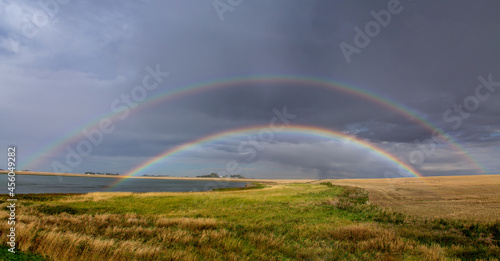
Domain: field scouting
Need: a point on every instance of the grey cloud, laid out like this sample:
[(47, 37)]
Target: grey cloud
[(428, 59)]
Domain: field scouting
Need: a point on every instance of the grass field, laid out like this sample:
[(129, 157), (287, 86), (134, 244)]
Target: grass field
[(309, 221)]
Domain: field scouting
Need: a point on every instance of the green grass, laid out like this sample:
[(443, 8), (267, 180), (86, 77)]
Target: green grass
[(44, 197), (253, 186), (275, 222), (5, 255)]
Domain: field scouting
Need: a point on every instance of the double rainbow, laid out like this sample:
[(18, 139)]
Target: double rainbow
[(171, 94)]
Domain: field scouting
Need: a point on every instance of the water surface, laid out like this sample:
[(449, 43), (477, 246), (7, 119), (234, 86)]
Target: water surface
[(64, 184)]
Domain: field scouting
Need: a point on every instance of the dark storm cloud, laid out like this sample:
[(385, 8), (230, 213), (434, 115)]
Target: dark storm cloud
[(428, 58)]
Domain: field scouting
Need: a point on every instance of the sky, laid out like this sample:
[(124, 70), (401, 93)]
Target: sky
[(109, 86)]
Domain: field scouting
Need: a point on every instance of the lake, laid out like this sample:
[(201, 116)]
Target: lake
[(64, 184)]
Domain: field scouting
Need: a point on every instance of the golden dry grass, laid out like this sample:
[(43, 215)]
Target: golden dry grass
[(111, 236)]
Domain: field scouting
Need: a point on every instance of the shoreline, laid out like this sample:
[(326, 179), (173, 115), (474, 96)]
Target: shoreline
[(267, 181), (247, 180)]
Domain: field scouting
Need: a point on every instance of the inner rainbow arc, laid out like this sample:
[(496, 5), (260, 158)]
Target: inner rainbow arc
[(294, 128)]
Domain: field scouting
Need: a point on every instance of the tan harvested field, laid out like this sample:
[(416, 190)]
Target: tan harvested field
[(458, 197)]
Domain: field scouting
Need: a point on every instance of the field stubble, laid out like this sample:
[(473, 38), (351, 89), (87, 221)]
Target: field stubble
[(475, 198)]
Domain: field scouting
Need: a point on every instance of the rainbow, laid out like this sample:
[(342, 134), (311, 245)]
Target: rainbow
[(290, 129), (176, 93)]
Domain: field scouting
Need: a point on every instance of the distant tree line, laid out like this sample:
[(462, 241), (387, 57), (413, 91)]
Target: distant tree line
[(99, 173), (211, 175), (215, 175)]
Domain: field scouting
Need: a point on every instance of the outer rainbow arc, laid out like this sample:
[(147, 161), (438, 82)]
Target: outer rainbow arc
[(302, 129), (172, 94)]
